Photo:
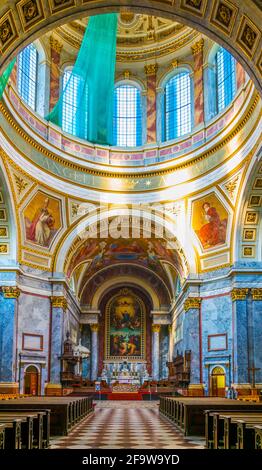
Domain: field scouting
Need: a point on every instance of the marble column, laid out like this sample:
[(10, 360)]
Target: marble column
[(240, 75), (59, 306), (257, 332), (170, 343), (240, 336), (192, 339), (155, 351), (197, 50), (55, 51), (86, 341), (94, 350), (151, 71), (8, 311)]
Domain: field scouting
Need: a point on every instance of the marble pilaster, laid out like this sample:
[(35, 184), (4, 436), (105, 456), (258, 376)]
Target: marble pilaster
[(155, 351), (240, 75), (94, 350), (56, 49), (191, 328), (240, 336), (8, 312), (59, 306), (151, 71), (197, 50)]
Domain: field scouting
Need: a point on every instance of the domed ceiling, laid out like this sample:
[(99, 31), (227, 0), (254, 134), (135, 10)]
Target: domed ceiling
[(139, 36)]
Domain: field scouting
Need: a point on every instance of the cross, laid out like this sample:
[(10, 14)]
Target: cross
[(253, 370)]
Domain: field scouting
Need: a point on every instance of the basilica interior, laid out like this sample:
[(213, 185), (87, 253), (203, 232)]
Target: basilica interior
[(131, 270)]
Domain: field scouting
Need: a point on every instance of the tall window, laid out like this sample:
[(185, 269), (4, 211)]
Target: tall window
[(74, 117), (226, 78), (27, 75), (127, 116), (177, 107)]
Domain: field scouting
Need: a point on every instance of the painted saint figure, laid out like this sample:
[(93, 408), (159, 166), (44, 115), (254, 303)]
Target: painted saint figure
[(42, 225), (214, 231)]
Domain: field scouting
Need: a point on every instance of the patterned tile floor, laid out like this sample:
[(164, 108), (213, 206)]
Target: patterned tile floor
[(126, 425)]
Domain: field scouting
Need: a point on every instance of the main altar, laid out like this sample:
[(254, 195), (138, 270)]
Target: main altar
[(125, 373)]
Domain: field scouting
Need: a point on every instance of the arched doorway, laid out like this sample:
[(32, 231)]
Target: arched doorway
[(217, 382), (31, 381)]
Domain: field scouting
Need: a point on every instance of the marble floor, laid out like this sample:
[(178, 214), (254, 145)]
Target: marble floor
[(126, 425)]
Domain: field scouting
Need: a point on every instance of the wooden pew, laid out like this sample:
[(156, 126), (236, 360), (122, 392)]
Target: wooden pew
[(2, 436), (12, 432), (221, 427), (65, 411), (188, 412), (258, 437), (246, 431), (40, 426)]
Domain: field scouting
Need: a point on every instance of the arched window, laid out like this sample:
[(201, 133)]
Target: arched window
[(226, 78), (127, 116), (177, 107), (27, 75), (74, 118)]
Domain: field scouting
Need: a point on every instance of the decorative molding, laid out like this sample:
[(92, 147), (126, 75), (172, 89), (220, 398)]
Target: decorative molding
[(256, 293), (197, 47), (151, 69), (239, 294), (127, 74), (156, 328), (192, 302), (59, 302), (10, 292)]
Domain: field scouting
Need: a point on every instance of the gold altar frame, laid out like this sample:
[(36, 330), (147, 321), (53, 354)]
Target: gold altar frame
[(107, 355)]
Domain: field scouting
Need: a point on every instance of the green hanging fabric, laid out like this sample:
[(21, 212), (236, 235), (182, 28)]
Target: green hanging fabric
[(93, 77), (5, 77)]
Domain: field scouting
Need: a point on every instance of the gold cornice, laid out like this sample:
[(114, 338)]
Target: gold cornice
[(10, 292), (256, 293), (192, 302), (156, 328), (108, 174), (197, 47), (151, 69), (59, 302), (239, 294)]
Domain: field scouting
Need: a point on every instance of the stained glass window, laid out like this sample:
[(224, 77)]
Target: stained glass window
[(127, 116), (27, 75), (226, 78), (177, 107)]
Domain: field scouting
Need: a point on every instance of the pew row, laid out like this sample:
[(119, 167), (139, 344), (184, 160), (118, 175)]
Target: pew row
[(27, 423), (231, 429), (189, 413)]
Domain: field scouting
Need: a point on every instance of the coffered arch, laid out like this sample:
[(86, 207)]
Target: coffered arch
[(235, 25)]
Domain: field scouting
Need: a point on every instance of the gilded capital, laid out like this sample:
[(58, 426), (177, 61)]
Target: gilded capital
[(151, 69), (256, 294), (197, 47), (239, 294), (156, 328), (94, 327), (59, 302), (126, 74), (55, 44), (169, 329), (192, 302), (10, 292), (174, 63)]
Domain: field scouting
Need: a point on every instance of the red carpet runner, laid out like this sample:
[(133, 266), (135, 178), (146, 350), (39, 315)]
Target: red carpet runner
[(124, 396)]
